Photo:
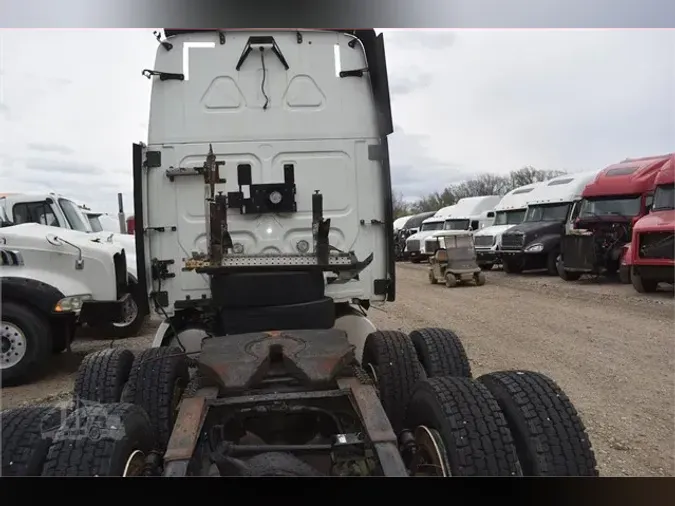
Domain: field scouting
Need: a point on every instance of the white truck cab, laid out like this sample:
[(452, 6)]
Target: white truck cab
[(53, 279), (469, 213), (264, 192), (535, 243), (55, 210), (510, 211), (414, 245)]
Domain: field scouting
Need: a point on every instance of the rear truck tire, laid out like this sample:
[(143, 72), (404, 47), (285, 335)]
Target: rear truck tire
[(415, 260), (391, 357), (130, 325), (102, 440), (26, 436), (26, 343), (473, 431), (552, 263), (511, 267), (480, 279), (551, 439), (486, 267), (156, 383), (624, 275), (432, 277), (441, 353), (643, 285), (450, 280), (102, 375)]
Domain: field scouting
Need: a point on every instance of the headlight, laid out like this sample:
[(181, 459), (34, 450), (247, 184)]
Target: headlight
[(238, 248), (302, 246), (71, 304), (534, 248), (275, 197)]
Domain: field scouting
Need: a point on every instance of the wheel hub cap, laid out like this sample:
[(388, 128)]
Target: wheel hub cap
[(135, 464), (129, 312), (430, 458), (13, 345)]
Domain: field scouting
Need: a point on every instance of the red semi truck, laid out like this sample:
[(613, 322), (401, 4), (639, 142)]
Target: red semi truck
[(603, 220), (651, 254)]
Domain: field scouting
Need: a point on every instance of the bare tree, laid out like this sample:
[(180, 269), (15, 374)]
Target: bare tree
[(481, 185), (401, 207), (528, 175)]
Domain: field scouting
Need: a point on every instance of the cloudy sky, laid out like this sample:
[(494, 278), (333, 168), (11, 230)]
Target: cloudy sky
[(73, 101)]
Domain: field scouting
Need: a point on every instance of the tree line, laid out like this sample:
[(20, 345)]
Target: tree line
[(483, 184)]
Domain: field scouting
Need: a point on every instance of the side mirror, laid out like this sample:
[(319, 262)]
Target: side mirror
[(57, 241)]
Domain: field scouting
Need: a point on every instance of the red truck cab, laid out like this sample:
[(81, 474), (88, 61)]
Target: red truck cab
[(652, 250), (611, 204)]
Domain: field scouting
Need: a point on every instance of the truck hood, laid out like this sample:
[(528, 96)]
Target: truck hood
[(656, 221), (494, 230), (535, 229), (420, 236), (33, 236)]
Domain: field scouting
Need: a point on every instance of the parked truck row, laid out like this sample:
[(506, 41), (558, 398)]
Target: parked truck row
[(617, 221)]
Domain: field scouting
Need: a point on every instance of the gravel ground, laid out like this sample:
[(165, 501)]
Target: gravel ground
[(610, 348)]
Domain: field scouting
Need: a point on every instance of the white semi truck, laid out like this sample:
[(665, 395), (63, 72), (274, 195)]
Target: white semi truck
[(509, 212), (53, 279), (57, 210), (414, 245), (470, 213)]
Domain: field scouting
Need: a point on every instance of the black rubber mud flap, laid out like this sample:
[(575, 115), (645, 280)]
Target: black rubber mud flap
[(550, 437), (156, 383), (393, 359), (102, 375), (260, 289), (114, 433), (26, 436), (318, 314), (473, 429), (441, 352)]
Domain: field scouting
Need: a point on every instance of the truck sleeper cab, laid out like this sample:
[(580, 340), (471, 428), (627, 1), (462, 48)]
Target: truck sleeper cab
[(267, 171), (652, 247), (619, 195), (535, 243), (510, 211)]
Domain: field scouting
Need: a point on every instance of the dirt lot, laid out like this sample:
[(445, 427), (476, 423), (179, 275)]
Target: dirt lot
[(611, 349)]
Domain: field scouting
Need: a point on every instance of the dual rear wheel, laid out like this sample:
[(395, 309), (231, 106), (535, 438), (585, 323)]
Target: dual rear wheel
[(124, 410), (508, 423)]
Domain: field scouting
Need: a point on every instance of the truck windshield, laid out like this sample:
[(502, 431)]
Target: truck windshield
[(95, 223), (4, 219), (547, 212), (611, 206), (664, 198), (76, 218), (513, 217), (456, 225), (432, 226)]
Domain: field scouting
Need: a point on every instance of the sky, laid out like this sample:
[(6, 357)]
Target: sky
[(464, 102)]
